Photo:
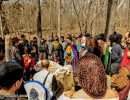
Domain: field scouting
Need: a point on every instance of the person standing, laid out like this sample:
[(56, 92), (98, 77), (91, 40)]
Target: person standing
[(115, 53), (101, 41), (16, 52), (25, 44), (73, 37), (63, 42), (83, 46), (57, 51), (33, 53), (43, 49), (105, 47), (71, 54), (50, 46), (93, 47), (35, 43), (29, 65), (125, 59)]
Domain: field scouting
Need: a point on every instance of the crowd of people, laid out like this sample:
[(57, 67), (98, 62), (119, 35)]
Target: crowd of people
[(92, 58)]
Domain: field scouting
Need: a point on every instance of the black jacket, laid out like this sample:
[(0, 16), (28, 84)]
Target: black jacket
[(116, 54), (18, 56)]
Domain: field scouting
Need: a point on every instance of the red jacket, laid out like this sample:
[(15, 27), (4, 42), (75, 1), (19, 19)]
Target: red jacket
[(124, 59), (32, 64)]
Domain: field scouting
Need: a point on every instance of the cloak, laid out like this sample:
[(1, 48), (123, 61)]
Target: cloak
[(74, 49)]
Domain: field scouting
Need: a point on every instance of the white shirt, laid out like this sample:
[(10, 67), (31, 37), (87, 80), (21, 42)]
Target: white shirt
[(62, 97), (40, 76)]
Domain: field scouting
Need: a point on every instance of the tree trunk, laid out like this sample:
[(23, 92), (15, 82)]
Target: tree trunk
[(5, 30), (39, 30), (8, 48), (59, 18), (77, 17), (50, 17), (1, 26), (129, 16), (111, 15)]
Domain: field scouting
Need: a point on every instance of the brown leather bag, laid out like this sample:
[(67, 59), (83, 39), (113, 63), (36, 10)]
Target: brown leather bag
[(120, 81)]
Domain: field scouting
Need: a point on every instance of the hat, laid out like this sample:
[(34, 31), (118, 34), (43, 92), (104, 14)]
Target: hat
[(42, 38), (80, 35), (87, 34), (15, 39), (10, 72), (101, 36), (91, 75)]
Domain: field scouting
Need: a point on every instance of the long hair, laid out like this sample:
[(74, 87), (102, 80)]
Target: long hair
[(114, 37), (92, 42)]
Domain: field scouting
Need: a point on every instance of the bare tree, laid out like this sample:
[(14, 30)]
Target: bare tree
[(1, 26), (111, 15), (128, 15), (39, 30), (77, 16), (59, 18)]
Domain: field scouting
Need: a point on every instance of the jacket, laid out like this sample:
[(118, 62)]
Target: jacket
[(116, 55), (26, 63)]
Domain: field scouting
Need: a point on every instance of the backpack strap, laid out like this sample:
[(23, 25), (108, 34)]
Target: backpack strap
[(45, 79)]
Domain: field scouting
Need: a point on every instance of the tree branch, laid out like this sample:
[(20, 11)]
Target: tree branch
[(119, 6)]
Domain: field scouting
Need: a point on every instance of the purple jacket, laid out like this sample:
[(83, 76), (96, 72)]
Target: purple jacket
[(74, 49)]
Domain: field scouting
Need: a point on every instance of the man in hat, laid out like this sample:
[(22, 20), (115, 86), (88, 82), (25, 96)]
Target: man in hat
[(87, 35), (43, 49), (11, 74), (101, 39), (17, 55)]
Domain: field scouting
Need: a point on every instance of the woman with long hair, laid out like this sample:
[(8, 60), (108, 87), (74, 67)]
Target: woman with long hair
[(115, 53), (93, 47)]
